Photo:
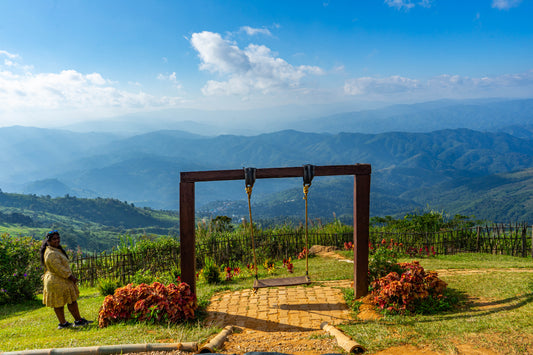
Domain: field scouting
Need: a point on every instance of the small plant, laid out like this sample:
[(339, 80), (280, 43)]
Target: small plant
[(288, 265), (348, 245), (171, 276), (251, 268), (303, 253), (143, 277), (349, 298), (420, 252), (211, 272), (107, 287), (382, 262), (232, 272), (269, 266)]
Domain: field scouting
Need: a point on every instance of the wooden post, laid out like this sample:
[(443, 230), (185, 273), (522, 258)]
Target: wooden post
[(187, 237), (361, 216)]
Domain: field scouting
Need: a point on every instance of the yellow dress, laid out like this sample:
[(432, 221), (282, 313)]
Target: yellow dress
[(58, 289)]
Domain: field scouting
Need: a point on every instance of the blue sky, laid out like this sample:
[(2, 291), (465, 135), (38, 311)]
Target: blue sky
[(67, 60)]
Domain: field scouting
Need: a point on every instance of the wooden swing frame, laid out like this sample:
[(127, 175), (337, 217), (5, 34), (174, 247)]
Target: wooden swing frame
[(361, 213)]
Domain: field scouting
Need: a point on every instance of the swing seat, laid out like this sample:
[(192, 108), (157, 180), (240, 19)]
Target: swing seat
[(284, 281)]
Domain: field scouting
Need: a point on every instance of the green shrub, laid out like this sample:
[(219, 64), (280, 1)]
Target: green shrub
[(143, 277), (20, 269), (108, 286), (171, 276), (211, 272), (349, 298), (437, 304), (383, 261)]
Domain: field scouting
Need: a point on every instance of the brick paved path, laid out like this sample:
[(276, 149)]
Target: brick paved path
[(298, 308)]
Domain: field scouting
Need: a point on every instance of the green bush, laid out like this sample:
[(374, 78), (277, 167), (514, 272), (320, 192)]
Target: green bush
[(20, 269), (143, 277), (108, 286), (211, 272), (171, 276), (383, 261)]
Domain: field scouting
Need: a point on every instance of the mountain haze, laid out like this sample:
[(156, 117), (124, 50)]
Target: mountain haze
[(410, 170)]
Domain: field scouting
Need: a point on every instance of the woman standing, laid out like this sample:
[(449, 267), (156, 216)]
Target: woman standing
[(59, 283)]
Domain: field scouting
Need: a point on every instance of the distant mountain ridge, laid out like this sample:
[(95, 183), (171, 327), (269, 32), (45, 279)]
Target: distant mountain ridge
[(480, 115), (144, 169), (491, 114)]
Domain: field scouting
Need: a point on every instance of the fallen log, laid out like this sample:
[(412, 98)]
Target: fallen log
[(344, 341), (216, 342), (110, 349)]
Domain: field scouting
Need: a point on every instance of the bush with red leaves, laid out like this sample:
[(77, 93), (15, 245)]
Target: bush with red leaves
[(400, 293), (149, 303)]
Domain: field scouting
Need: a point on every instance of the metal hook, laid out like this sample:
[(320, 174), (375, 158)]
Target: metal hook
[(309, 173), (249, 176)]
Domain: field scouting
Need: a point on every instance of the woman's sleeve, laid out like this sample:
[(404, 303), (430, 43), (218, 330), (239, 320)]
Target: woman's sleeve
[(56, 265)]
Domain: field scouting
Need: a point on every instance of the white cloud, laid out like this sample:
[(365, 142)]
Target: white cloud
[(255, 69), (219, 55), (12, 61), (80, 94), (407, 4), (8, 55), (505, 4), (390, 85), (425, 3), (442, 86), (172, 78), (253, 31)]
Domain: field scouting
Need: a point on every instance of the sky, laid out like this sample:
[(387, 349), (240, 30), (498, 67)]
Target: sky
[(67, 61)]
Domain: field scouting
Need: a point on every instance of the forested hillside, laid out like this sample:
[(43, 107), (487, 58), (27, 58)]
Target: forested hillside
[(87, 224)]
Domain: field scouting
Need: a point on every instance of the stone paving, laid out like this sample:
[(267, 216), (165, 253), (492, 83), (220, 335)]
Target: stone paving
[(296, 308)]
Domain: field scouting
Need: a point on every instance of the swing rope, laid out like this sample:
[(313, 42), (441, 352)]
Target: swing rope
[(249, 175), (309, 172), (306, 191)]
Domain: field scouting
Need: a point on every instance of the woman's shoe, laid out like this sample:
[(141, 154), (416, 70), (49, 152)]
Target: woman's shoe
[(82, 322), (64, 325)]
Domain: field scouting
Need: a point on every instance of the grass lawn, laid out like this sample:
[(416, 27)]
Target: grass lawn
[(495, 312), (496, 315)]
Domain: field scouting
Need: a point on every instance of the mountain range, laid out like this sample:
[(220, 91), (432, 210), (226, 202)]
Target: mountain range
[(471, 157)]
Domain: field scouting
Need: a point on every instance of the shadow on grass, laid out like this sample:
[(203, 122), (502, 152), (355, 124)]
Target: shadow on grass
[(475, 307), (9, 309)]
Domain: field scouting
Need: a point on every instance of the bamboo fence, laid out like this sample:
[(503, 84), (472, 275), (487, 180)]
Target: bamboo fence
[(233, 250)]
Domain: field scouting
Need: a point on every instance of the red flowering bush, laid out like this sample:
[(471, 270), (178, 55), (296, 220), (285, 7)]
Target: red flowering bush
[(232, 272), (151, 303), (303, 253), (407, 292), (288, 264)]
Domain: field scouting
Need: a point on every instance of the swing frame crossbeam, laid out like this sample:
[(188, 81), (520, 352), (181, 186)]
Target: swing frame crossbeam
[(361, 213)]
